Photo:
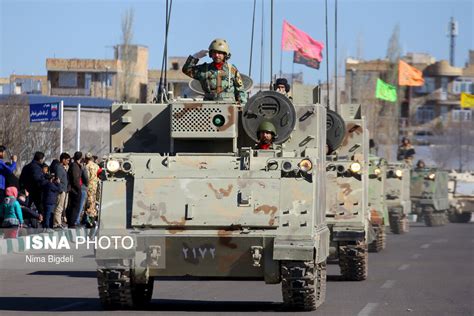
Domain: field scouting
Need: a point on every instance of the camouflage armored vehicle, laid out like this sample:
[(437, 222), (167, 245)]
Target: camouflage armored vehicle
[(398, 196), (429, 195), (200, 202), (347, 194), (377, 203), (461, 197)]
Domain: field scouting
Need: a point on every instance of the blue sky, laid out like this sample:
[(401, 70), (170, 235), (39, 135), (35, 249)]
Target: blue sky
[(31, 31)]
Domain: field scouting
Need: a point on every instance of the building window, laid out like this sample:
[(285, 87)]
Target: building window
[(462, 115), (425, 114), (463, 85), (68, 80), (428, 87)]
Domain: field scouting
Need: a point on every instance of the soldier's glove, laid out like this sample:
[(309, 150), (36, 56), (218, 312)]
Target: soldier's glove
[(201, 54)]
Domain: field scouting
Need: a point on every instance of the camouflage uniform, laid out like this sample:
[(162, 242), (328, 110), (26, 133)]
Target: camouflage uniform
[(225, 84), (92, 168)]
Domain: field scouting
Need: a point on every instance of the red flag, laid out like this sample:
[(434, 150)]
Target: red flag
[(297, 40)]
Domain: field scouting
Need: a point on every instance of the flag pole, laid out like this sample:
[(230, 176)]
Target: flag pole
[(61, 126), (292, 77), (281, 61)]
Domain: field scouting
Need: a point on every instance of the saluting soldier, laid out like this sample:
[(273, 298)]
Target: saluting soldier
[(220, 80)]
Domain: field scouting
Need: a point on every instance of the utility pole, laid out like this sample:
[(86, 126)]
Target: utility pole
[(452, 33)]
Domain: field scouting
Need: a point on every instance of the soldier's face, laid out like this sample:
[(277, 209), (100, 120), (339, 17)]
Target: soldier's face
[(281, 88), (217, 57), (266, 137)]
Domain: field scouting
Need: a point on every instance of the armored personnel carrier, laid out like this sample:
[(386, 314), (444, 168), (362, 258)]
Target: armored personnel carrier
[(398, 196), (347, 194), (461, 197), (377, 203), (186, 182), (429, 195)]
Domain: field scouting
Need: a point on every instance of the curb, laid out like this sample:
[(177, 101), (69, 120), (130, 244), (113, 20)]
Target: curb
[(17, 245)]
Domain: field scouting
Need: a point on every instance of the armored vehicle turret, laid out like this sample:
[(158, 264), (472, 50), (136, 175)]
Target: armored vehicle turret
[(347, 197), (377, 203), (461, 197), (398, 196), (200, 201), (429, 195)]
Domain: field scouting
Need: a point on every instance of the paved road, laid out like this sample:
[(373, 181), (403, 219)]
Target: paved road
[(426, 272)]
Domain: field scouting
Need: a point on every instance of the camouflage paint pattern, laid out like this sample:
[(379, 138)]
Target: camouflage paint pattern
[(429, 192), (398, 188), (377, 190), (461, 192), (210, 206)]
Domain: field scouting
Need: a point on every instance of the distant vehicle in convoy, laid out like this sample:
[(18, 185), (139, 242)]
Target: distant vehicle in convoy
[(377, 202), (461, 197), (429, 195), (347, 194), (201, 202), (397, 195), (423, 138)]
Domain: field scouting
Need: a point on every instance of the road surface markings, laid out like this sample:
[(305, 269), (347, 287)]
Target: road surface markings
[(442, 240), (369, 308), (388, 284), (404, 267), (416, 256), (64, 307), (425, 246)]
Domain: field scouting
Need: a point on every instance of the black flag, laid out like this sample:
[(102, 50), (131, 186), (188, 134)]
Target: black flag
[(299, 58)]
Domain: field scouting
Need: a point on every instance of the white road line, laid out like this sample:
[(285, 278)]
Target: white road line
[(404, 267), (388, 284), (369, 308), (425, 246), (61, 308), (416, 256)]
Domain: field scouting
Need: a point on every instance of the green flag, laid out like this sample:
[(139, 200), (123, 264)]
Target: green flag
[(385, 91)]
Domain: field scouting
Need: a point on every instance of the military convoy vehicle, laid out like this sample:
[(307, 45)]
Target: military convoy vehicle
[(185, 182), (429, 195), (347, 212), (461, 197), (398, 196), (377, 202)]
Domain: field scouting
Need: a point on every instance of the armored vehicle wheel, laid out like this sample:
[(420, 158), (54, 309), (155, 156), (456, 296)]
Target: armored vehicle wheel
[(459, 218), (303, 284), (117, 291), (398, 224), (379, 243), (353, 262), (435, 219)]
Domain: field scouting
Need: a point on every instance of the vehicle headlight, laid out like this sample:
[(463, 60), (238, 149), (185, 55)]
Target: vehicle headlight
[(398, 173), (377, 171), (431, 176), (305, 165), (287, 166), (113, 165), (355, 167)]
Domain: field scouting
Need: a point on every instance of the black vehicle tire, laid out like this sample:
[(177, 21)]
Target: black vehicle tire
[(353, 262), (435, 219), (117, 291), (303, 284), (460, 218), (380, 239)]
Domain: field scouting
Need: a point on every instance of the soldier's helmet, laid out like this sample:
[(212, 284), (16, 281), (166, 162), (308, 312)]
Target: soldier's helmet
[(267, 126), (219, 45)]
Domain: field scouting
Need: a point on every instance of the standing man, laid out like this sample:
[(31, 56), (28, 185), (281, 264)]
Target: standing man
[(220, 80), (281, 86), (266, 134), (5, 170), (406, 151), (60, 170), (92, 170), (74, 179), (33, 180)]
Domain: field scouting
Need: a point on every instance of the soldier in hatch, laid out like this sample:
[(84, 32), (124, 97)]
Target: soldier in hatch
[(281, 85), (266, 134), (220, 80)]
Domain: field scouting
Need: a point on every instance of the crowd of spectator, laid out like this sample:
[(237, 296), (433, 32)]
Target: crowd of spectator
[(52, 197)]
